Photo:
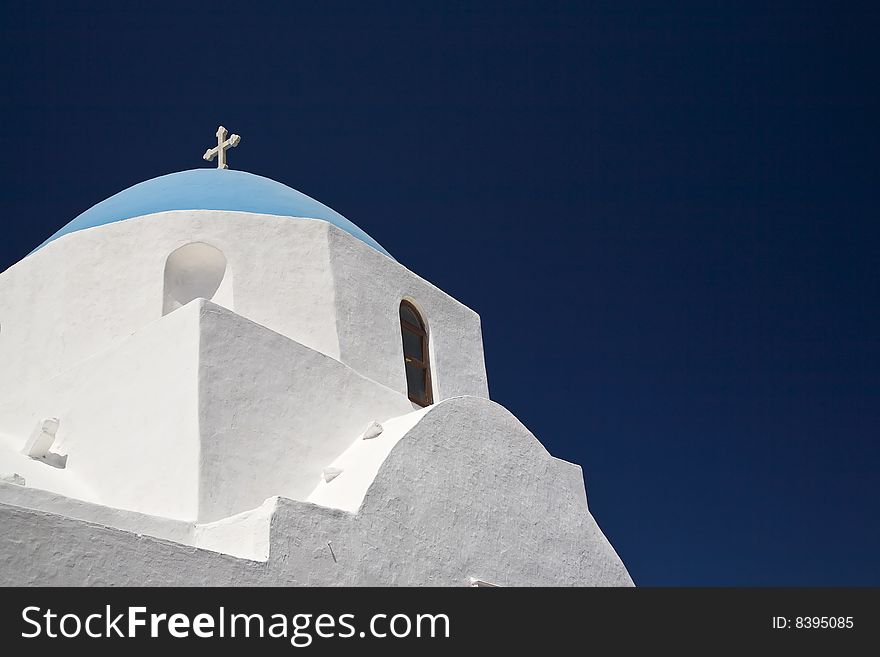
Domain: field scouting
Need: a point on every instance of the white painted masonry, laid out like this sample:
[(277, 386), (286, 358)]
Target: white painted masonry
[(210, 397)]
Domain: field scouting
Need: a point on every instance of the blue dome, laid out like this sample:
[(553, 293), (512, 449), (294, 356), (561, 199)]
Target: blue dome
[(210, 189)]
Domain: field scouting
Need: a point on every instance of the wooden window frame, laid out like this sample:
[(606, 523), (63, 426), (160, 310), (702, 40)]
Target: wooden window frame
[(424, 365)]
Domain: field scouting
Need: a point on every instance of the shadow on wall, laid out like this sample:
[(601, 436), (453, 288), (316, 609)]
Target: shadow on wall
[(196, 270)]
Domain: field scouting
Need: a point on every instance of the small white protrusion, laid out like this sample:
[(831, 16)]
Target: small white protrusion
[(13, 478), (373, 430), (331, 473), (478, 583), (42, 438)]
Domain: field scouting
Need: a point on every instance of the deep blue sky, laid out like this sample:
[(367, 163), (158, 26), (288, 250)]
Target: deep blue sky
[(666, 217)]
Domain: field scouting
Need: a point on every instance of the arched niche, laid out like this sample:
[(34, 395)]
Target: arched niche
[(196, 270)]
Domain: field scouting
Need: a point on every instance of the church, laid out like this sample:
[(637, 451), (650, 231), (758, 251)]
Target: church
[(210, 378)]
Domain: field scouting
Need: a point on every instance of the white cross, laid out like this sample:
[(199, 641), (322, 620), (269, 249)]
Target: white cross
[(219, 151)]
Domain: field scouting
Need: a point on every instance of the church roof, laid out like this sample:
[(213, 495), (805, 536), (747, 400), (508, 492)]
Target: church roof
[(210, 189)]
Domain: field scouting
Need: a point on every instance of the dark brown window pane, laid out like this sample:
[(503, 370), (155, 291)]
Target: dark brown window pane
[(412, 345), (415, 350), (415, 381), (407, 314)]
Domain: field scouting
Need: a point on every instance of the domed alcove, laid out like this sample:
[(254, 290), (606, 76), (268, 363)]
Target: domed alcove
[(193, 271)]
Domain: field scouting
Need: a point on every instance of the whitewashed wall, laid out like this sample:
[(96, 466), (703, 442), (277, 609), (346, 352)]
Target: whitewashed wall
[(468, 492), (128, 422), (273, 413), (302, 278), (200, 415), (369, 288)]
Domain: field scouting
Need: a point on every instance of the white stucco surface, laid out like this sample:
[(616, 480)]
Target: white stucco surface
[(200, 415), (36, 499), (468, 493), (210, 397), (304, 279), (273, 413), (128, 421), (360, 464), (368, 291)]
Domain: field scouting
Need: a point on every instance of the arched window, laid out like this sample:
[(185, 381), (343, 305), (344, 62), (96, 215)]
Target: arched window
[(415, 355)]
